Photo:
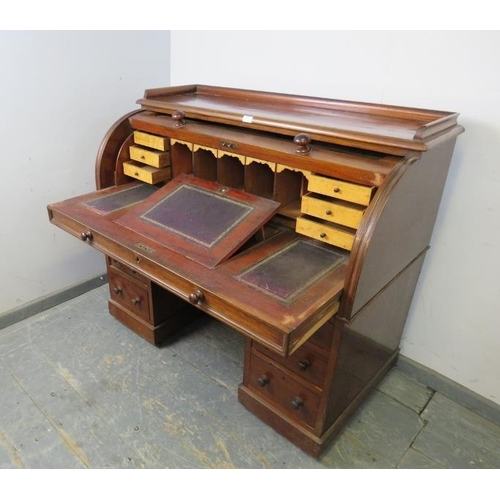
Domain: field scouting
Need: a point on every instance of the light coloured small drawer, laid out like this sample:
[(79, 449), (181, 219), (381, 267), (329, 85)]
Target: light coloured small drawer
[(146, 174), (340, 189), (339, 212), (152, 158), (151, 141), (340, 236)]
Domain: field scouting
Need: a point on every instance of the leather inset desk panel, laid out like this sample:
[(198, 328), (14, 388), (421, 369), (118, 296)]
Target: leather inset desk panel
[(288, 272), (116, 201)]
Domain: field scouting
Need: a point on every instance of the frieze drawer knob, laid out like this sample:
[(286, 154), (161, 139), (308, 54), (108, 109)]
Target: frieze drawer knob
[(118, 290), (136, 301), (263, 380), (297, 403), (86, 236), (196, 297)]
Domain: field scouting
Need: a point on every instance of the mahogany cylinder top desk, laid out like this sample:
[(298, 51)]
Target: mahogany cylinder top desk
[(301, 222)]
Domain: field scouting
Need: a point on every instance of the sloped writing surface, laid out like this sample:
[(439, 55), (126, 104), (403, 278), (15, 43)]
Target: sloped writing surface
[(203, 220)]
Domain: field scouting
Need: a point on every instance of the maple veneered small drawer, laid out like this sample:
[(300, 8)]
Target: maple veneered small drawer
[(342, 190), (333, 234), (285, 392), (151, 158), (144, 173), (304, 362), (151, 141), (129, 293), (337, 211)]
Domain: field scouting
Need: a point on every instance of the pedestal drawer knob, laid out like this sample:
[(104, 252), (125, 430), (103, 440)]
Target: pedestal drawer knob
[(118, 290), (297, 403), (136, 301), (304, 364), (196, 297), (263, 380)]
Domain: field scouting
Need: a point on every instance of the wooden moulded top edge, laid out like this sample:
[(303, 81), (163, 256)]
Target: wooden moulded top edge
[(330, 119)]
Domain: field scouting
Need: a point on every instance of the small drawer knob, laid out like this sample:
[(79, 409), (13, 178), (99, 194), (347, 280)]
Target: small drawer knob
[(322, 235), (263, 380), (86, 236), (136, 301), (328, 212), (304, 364), (297, 403), (118, 290), (336, 190), (196, 297)]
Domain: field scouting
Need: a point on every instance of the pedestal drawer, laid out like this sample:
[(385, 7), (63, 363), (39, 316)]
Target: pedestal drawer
[(283, 391), (305, 363), (129, 293)]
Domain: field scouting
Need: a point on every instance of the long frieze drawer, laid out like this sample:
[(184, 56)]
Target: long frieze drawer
[(340, 189), (152, 158), (305, 362), (144, 173), (132, 295), (339, 212), (285, 392), (151, 141), (340, 236)]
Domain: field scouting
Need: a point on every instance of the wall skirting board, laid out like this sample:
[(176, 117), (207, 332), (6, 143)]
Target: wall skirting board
[(458, 393), (420, 373), (42, 304)]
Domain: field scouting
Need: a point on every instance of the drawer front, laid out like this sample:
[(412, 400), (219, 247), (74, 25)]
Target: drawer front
[(151, 141), (127, 270), (340, 189), (305, 362), (339, 236), (132, 295), (146, 174), (152, 158), (285, 393), (338, 212)]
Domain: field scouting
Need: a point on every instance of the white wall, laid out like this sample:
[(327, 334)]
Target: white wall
[(59, 94), (454, 324)]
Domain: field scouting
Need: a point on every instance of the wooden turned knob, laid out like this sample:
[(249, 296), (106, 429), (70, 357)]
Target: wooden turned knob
[(86, 236), (302, 141), (322, 235), (297, 403), (328, 212), (136, 301), (196, 297), (118, 290), (304, 364), (336, 190), (178, 117), (263, 380)]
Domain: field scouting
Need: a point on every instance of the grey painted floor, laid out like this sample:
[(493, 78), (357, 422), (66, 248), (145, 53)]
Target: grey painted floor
[(78, 390)]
